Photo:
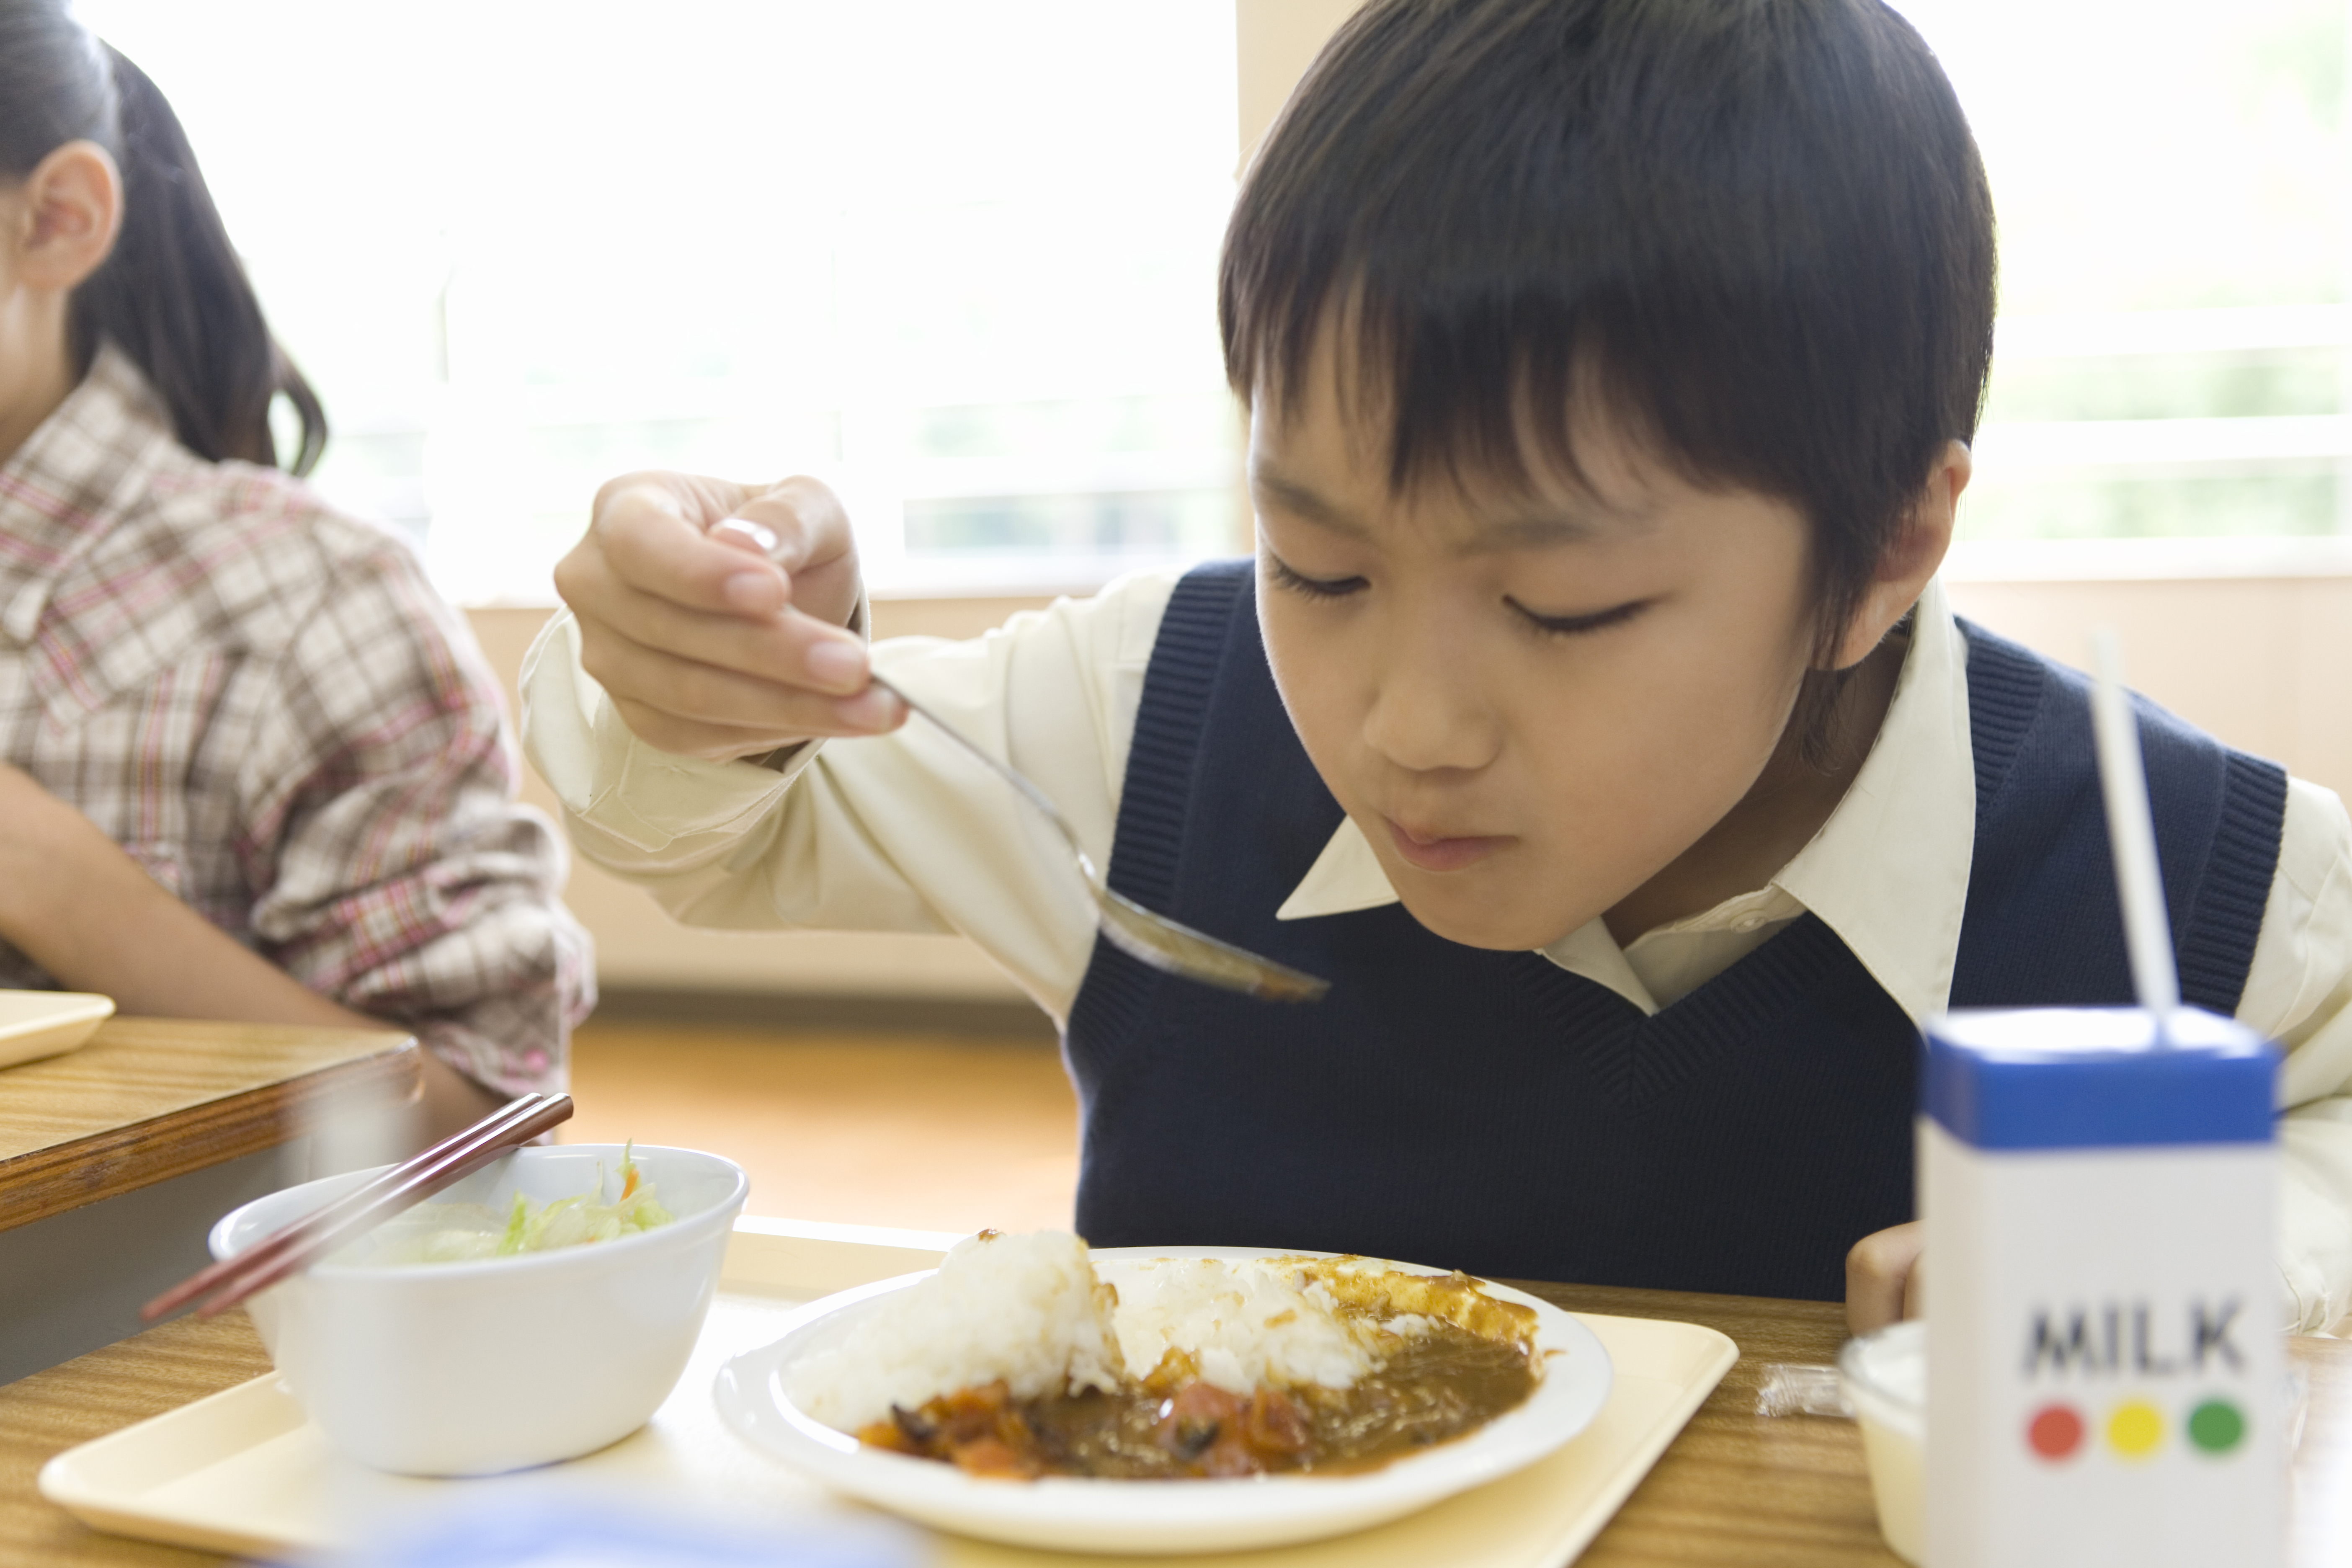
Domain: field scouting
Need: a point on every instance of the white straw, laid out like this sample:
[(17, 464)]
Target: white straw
[(2140, 883)]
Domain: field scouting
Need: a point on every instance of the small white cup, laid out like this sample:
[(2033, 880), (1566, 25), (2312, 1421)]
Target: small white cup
[(1885, 1376)]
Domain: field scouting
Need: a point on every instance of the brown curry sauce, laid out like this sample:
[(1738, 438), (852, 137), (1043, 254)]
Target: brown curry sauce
[(1173, 1426)]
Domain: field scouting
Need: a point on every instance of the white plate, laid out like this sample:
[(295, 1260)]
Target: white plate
[(37, 1023), (1069, 1514)]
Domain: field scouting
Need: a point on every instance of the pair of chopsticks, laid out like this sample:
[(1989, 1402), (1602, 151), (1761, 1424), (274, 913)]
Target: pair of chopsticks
[(415, 1179)]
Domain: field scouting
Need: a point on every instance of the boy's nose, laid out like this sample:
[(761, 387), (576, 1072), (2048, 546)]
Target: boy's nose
[(1426, 717)]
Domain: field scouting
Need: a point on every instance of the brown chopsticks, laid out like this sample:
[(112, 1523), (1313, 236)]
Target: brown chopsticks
[(414, 1180)]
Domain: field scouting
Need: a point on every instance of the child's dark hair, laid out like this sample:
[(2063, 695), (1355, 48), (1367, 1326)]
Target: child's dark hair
[(173, 294), (1759, 229)]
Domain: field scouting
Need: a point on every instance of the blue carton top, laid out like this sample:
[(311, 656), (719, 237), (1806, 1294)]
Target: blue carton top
[(2090, 1077)]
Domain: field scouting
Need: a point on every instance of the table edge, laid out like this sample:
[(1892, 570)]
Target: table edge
[(65, 1176)]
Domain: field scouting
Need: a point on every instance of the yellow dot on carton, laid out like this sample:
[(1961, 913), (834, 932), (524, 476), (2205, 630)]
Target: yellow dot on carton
[(2135, 1429)]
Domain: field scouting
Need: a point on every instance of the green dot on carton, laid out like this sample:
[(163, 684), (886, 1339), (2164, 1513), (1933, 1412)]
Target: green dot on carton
[(2215, 1426)]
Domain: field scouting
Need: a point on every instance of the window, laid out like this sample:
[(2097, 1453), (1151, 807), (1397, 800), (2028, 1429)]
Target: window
[(2174, 188), (957, 258)]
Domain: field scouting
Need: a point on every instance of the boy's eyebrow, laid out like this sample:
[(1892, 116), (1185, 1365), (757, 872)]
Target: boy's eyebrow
[(1306, 503), (1535, 530)]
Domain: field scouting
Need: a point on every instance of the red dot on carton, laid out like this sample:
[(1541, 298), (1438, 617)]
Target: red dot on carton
[(2056, 1431)]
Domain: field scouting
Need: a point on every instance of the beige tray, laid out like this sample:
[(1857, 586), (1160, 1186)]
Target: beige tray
[(243, 1472), (37, 1023)]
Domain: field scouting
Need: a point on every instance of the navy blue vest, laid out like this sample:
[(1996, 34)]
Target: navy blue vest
[(1492, 1112)]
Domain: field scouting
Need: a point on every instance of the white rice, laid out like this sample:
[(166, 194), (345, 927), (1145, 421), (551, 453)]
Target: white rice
[(1029, 1309), (1026, 1309), (1243, 1323)]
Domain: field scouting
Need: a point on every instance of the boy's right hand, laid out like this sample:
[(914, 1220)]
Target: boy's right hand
[(716, 614)]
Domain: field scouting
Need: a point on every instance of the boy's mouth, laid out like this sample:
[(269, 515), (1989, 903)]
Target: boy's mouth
[(1440, 852)]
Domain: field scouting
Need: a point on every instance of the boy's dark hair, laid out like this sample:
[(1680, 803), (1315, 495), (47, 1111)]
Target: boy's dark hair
[(173, 294), (1759, 229)]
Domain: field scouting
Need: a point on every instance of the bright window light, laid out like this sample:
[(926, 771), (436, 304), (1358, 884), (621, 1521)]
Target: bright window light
[(2173, 180), (957, 259)]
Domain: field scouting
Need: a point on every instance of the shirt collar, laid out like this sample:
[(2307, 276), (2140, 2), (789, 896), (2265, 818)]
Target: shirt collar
[(70, 480), (1888, 872)]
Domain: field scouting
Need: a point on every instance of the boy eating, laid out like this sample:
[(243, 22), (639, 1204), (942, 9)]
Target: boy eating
[(1589, 715)]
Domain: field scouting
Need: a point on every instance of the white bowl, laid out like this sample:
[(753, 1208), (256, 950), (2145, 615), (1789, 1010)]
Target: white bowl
[(469, 1369), (1886, 1379)]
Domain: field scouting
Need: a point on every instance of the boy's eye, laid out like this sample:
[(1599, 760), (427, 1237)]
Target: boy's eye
[(1576, 625), (1312, 587)]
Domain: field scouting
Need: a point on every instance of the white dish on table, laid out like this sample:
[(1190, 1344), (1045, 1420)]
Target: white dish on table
[(37, 1023), (470, 1369), (1159, 1517), (1884, 1377)]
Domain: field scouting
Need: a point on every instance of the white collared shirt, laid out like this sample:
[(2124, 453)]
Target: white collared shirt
[(902, 833)]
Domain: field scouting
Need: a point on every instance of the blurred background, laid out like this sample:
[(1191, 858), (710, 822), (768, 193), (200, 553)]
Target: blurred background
[(957, 258), (952, 256)]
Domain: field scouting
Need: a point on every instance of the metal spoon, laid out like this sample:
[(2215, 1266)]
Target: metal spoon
[(1151, 938)]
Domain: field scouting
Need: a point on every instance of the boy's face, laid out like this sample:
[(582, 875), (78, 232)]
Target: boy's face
[(1530, 703)]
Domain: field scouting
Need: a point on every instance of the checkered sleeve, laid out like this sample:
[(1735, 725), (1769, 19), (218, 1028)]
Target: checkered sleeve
[(394, 868)]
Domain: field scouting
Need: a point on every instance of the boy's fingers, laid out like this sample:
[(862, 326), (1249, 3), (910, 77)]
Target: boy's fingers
[(1877, 1276), (674, 695), (708, 646), (744, 534), (655, 538), (790, 649), (802, 520)]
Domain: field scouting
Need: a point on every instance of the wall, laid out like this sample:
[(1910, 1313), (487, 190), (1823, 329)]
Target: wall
[(1275, 40), (2263, 662)]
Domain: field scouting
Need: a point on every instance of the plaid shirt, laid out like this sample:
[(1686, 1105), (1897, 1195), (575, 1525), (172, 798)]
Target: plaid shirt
[(268, 707)]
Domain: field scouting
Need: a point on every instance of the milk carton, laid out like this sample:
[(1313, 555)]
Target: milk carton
[(2105, 1371)]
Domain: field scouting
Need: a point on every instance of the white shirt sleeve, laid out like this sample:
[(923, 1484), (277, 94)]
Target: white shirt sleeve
[(2299, 993), (900, 832)]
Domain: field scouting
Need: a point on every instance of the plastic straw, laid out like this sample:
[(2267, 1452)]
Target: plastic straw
[(2139, 882)]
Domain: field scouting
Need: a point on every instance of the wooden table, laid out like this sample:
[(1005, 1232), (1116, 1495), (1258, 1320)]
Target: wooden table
[(1734, 1489), (115, 1158)]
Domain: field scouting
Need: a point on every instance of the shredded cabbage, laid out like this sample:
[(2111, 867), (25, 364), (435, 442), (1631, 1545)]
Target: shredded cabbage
[(463, 1232)]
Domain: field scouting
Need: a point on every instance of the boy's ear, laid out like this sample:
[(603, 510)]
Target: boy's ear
[(69, 212), (1911, 557)]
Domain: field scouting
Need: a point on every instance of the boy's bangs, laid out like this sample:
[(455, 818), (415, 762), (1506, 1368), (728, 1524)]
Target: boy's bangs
[(1483, 397)]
